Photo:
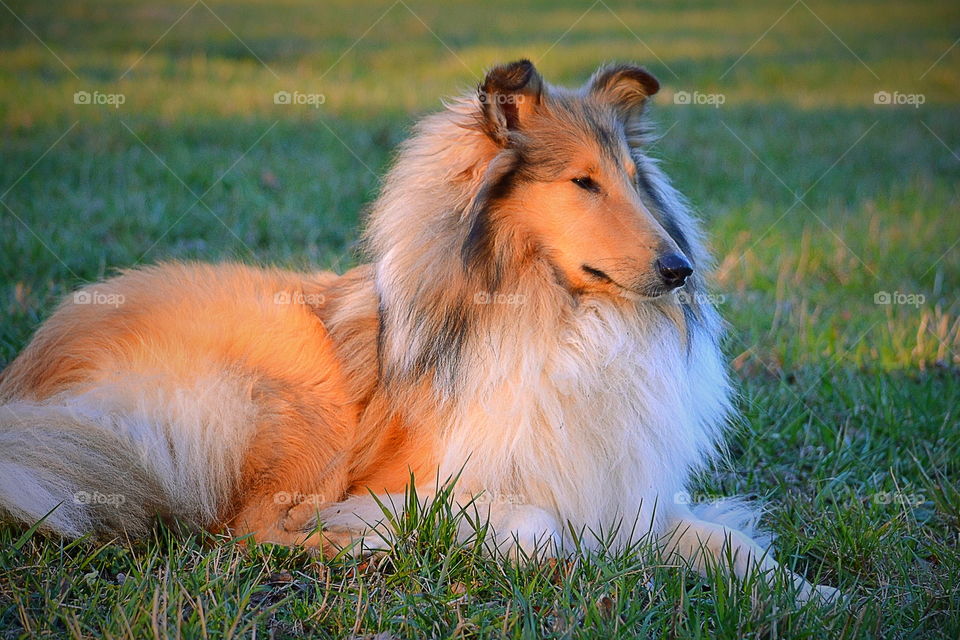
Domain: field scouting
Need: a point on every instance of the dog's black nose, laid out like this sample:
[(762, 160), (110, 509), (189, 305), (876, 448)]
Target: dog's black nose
[(674, 269)]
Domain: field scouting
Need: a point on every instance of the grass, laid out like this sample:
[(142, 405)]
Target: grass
[(850, 421)]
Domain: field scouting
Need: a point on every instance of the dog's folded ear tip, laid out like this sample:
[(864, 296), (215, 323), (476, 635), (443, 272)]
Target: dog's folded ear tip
[(646, 79), (512, 77), (625, 86), (610, 75)]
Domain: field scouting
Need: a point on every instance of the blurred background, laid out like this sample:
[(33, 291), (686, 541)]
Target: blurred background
[(819, 141)]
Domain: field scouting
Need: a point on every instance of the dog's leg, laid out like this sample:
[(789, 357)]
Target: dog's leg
[(287, 475), (267, 522), (360, 524), (700, 543), (518, 532)]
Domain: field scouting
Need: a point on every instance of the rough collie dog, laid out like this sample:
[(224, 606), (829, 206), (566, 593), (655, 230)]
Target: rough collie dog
[(531, 322)]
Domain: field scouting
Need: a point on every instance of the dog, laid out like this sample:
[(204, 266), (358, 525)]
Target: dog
[(531, 322)]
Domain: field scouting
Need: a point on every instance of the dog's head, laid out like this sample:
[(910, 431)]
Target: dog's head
[(565, 184)]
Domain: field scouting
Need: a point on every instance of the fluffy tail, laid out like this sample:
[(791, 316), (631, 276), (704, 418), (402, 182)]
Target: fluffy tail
[(112, 473), (87, 478), (738, 514)]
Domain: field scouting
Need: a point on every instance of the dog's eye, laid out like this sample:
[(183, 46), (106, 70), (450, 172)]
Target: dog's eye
[(586, 182)]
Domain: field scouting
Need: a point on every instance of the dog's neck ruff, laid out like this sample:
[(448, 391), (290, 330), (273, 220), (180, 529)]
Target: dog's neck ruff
[(599, 413)]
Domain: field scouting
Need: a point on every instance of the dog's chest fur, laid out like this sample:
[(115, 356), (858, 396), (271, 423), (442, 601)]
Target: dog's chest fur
[(599, 416)]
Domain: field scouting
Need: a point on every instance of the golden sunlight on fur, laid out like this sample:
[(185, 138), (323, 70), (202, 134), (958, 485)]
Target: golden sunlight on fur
[(531, 321)]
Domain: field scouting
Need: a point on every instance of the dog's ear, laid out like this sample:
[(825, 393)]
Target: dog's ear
[(624, 87), (479, 251), (508, 95)]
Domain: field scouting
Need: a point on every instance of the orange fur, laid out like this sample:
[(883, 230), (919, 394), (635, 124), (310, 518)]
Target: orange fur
[(178, 320)]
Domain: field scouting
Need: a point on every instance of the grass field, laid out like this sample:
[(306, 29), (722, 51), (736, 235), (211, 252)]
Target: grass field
[(834, 220)]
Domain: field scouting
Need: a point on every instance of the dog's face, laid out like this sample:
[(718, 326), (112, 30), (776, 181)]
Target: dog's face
[(565, 181)]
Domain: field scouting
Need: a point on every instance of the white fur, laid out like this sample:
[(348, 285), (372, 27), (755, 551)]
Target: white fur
[(601, 424)]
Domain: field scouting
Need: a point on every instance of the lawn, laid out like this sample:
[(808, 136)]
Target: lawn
[(136, 131)]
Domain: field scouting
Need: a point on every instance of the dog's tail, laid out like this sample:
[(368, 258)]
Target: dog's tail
[(109, 473), (88, 479), (736, 513)]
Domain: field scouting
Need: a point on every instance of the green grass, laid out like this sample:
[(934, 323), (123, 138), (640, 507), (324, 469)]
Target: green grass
[(850, 408)]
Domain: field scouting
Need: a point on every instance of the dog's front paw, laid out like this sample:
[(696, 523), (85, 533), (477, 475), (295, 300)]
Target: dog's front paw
[(526, 533), (357, 543), (301, 517), (819, 594)]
